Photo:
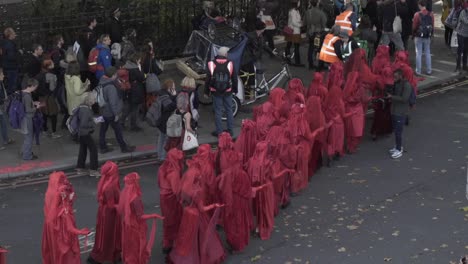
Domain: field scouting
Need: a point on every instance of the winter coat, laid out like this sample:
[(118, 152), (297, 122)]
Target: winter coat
[(75, 89), (462, 27), (112, 98), (10, 55), (137, 80), (294, 21), (104, 59), (166, 111), (115, 30), (315, 20), (87, 124)]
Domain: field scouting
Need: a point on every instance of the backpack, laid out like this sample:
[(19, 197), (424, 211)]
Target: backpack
[(221, 77), (153, 84), (16, 110), (124, 79), (73, 122), (425, 29), (100, 96), (153, 116), (174, 125), (93, 60)]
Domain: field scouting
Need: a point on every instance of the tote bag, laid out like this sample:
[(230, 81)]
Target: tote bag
[(190, 141)]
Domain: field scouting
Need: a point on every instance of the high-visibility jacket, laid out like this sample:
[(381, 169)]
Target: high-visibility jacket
[(344, 21), (327, 53)]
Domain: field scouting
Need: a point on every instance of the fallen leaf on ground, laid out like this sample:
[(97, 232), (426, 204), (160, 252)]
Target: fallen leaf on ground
[(396, 233), (439, 198), (256, 258), (342, 249), (444, 246), (352, 227), (464, 209), (387, 259)]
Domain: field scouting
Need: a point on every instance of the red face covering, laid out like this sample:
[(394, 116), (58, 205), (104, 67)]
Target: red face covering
[(335, 77), (227, 156), (247, 139), (107, 243), (265, 120), (277, 98), (316, 87), (352, 92), (381, 59), (206, 161), (314, 115), (295, 87), (297, 124), (333, 105), (355, 61)]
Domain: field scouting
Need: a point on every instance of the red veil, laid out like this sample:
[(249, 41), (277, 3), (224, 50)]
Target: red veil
[(265, 120), (381, 59), (335, 76), (295, 87), (247, 139), (316, 87), (277, 98)]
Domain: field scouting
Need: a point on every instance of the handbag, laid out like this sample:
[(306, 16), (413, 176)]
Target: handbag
[(454, 41), (397, 27), (452, 20), (190, 141), (287, 30)]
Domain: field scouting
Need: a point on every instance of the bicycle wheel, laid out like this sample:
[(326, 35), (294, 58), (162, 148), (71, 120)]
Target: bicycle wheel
[(201, 96)]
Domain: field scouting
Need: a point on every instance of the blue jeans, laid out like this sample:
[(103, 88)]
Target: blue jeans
[(28, 140), (162, 138), (223, 103), (12, 81), (109, 121), (423, 45), (3, 129), (398, 123)]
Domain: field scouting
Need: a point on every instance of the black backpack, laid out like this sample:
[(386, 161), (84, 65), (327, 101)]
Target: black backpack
[(221, 77), (425, 25)]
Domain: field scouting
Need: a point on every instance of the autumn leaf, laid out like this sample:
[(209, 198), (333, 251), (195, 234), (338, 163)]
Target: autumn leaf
[(256, 258), (387, 259), (396, 233), (352, 227), (342, 249)]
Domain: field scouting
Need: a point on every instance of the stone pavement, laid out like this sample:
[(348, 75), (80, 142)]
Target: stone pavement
[(61, 154)]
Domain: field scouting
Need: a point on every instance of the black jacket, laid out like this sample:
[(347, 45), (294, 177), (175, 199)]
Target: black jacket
[(167, 110), (10, 55), (387, 14), (115, 30), (137, 81), (33, 66)]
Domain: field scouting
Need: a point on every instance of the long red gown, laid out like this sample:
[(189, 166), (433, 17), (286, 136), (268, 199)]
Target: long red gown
[(197, 241), (135, 247), (169, 177), (295, 87), (206, 161), (335, 76), (247, 139), (236, 194), (333, 111), (259, 171), (316, 120), (3, 253), (265, 120), (60, 235), (108, 242), (353, 104)]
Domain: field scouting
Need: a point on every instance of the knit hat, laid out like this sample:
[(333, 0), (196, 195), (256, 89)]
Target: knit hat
[(111, 71), (344, 33)]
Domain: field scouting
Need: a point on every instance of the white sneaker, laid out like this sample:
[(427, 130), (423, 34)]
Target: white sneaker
[(393, 150), (397, 154), (94, 173)]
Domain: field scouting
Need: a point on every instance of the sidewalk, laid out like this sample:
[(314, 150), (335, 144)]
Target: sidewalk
[(61, 154)]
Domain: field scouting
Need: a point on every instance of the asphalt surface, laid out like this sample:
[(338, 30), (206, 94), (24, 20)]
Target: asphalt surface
[(367, 208)]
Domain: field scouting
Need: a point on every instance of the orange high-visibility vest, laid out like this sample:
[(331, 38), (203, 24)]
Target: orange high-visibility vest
[(327, 53), (344, 22)]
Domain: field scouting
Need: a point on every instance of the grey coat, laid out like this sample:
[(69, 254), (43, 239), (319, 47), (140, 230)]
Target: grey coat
[(87, 124), (462, 27), (400, 98), (112, 97), (315, 20)]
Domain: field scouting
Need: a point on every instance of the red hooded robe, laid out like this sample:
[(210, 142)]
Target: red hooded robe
[(135, 247), (316, 121), (169, 177), (247, 139), (316, 87), (277, 98), (3, 253), (259, 170), (381, 59), (108, 242), (295, 87), (226, 153), (335, 76), (265, 120), (60, 236), (334, 111), (353, 104)]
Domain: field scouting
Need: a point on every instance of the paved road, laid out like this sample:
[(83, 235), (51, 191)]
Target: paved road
[(366, 209)]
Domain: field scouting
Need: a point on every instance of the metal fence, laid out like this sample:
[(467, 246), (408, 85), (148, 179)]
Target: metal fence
[(167, 22)]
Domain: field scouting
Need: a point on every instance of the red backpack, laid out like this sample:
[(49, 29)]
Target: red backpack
[(124, 80), (93, 60)]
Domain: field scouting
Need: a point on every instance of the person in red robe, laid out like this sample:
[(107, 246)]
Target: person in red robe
[(316, 87), (277, 98), (169, 177), (3, 253), (381, 59), (316, 120), (295, 87), (236, 194), (197, 241), (60, 236), (335, 76), (135, 247), (382, 119), (259, 170), (334, 111), (226, 153), (206, 159), (108, 242), (247, 139), (265, 120), (354, 124)]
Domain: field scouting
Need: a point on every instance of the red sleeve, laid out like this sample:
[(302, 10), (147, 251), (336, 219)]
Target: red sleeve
[(416, 22)]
